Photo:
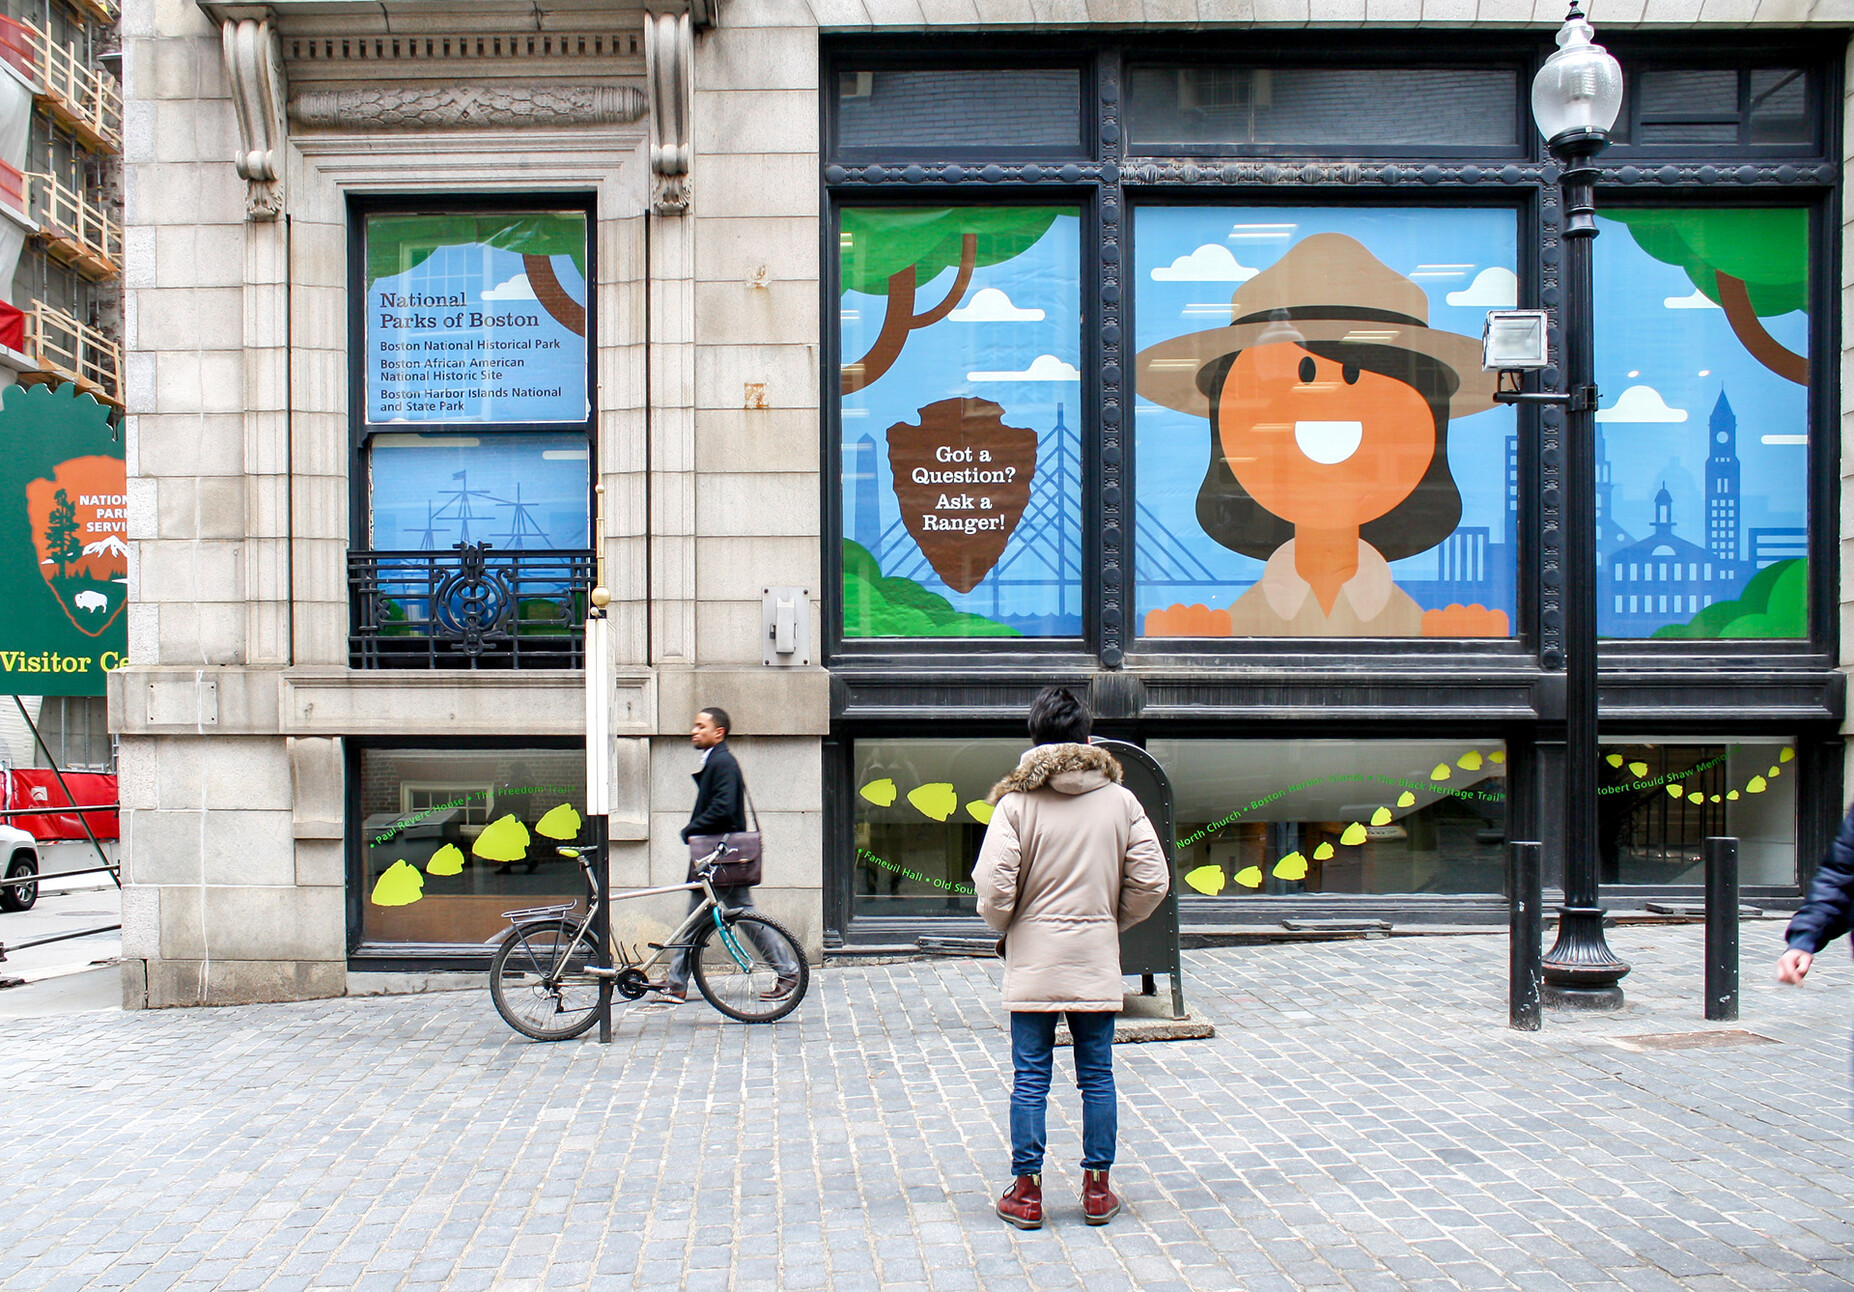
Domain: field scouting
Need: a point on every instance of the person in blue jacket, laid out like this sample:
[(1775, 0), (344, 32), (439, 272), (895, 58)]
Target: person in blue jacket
[(1828, 913)]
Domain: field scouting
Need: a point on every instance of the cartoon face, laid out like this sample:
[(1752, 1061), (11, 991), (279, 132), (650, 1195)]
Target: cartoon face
[(1319, 442)]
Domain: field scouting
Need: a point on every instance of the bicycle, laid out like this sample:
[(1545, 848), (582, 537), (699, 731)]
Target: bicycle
[(547, 982)]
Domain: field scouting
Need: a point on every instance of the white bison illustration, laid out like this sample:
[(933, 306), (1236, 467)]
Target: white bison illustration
[(91, 601)]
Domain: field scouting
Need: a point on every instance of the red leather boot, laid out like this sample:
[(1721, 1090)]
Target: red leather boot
[(1100, 1204), (1022, 1203)]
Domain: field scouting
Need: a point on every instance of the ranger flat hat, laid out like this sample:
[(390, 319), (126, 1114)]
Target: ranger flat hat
[(1326, 288)]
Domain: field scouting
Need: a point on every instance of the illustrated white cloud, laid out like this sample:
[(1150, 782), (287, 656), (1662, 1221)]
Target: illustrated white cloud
[(1493, 288), (1210, 263), (1045, 367), (991, 305), (1697, 301), (515, 289), (1641, 404)]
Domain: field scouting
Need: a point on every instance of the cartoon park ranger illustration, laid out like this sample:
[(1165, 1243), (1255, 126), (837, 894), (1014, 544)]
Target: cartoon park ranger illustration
[(1329, 399)]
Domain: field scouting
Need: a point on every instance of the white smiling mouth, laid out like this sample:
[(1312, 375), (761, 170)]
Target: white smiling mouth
[(1328, 442)]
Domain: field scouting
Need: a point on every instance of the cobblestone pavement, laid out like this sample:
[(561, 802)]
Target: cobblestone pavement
[(1363, 1119)]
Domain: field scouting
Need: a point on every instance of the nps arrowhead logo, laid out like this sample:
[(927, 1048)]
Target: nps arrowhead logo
[(78, 529)]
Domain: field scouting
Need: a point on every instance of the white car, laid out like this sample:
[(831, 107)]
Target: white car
[(21, 852)]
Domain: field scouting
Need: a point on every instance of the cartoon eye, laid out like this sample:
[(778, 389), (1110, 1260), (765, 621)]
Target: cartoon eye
[(1306, 371), (1350, 372)]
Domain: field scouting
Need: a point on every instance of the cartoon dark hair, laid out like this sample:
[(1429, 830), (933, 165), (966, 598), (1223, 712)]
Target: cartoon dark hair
[(1430, 514)]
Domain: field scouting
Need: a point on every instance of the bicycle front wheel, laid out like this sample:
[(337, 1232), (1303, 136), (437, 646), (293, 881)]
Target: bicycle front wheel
[(750, 968), (541, 980)]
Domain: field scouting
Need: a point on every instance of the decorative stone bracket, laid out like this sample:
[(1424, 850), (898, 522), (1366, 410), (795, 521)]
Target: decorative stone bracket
[(668, 60), (254, 70), (459, 106)]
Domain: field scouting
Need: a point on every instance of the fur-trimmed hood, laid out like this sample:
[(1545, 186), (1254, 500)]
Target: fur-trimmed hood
[(1067, 769)]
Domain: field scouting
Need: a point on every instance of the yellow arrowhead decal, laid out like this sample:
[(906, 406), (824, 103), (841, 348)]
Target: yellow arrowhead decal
[(1406, 799), (1756, 785), (1440, 772), (1496, 755), (980, 811), (1675, 791), (1715, 798), (1786, 755), (1696, 797), (1731, 796), (1353, 835), (445, 861), (504, 839), (1250, 876), (937, 799), (1381, 817), (1638, 770), (1614, 760), (1470, 761), (1207, 880), (1774, 771), (401, 885), (1323, 853), (1292, 866), (881, 793), (561, 822)]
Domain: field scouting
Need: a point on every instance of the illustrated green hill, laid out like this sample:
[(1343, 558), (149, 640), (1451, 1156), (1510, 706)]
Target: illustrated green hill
[(1774, 604), (874, 606)]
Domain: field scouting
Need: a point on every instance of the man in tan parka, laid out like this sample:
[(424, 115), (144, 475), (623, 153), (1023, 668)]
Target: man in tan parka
[(1069, 860)]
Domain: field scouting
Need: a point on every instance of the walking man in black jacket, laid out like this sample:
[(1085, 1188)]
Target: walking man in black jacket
[(1828, 913), (720, 808)]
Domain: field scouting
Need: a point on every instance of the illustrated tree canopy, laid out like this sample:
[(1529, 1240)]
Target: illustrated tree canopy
[(891, 253), (398, 243), (61, 537), (1753, 263)]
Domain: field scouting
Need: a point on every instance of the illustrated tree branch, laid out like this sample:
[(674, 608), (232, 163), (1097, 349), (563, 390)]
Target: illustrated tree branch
[(1764, 347), (569, 313), (899, 318)]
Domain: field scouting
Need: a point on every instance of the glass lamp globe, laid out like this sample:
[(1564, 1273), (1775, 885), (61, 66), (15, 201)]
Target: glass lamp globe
[(1579, 89)]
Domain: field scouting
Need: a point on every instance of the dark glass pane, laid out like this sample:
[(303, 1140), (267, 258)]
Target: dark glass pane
[(964, 110), (1658, 803), (1689, 106), (1323, 106), (920, 818), (1780, 107)]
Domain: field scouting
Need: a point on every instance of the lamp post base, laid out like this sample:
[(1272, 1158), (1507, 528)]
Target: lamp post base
[(1581, 972)]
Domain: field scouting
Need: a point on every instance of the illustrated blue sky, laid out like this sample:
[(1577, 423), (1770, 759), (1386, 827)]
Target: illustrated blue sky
[(1687, 356), (525, 491), (995, 333), (492, 281), (1464, 253)]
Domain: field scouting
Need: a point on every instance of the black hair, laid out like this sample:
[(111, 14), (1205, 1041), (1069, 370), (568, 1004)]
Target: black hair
[(1058, 718), (1430, 514), (719, 718)]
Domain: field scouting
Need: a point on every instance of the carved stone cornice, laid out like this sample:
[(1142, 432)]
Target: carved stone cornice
[(669, 45), (467, 106), (254, 71)]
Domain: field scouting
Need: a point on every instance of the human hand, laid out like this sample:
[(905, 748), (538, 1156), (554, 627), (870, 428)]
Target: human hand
[(1793, 966)]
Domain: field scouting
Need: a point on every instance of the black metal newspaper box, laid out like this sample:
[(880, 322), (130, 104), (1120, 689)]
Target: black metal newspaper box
[(1151, 947)]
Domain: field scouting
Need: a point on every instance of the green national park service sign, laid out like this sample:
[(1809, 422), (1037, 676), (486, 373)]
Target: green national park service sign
[(64, 555)]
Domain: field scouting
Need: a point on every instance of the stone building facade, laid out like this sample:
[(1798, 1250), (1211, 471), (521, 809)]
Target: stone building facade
[(289, 732)]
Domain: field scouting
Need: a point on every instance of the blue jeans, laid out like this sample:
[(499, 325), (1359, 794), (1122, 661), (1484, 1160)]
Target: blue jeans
[(1033, 1044)]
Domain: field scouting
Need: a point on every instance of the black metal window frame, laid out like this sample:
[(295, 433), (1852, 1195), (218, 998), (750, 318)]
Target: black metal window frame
[(1181, 687), (477, 578)]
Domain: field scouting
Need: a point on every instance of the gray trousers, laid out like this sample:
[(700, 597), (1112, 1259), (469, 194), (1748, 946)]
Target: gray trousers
[(774, 948)]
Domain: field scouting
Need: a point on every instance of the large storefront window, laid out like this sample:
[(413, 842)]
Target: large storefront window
[(961, 414), (452, 838), (1337, 816), (920, 818), (1318, 451), (1703, 448), (1658, 802)]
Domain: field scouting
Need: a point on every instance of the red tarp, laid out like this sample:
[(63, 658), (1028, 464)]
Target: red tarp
[(29, 787), (12, 326)]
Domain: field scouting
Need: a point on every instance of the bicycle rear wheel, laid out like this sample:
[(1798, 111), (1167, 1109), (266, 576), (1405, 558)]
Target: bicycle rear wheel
[(736, 967), (541, 980)]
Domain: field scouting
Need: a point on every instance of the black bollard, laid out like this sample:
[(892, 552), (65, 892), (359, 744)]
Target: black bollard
[(1525, 975), (1721, 929)]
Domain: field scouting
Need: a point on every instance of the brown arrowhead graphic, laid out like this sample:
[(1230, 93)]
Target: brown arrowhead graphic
[(78, 526), (962, 478)]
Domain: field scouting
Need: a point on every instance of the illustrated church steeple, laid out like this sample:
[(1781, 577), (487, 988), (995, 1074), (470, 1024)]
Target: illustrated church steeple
[(1722, 518)]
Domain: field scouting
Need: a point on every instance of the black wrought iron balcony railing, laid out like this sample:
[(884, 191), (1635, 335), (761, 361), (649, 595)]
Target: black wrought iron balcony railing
[(470, 607)]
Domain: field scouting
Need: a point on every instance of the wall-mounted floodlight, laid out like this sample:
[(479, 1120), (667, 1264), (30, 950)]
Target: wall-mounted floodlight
[(1513, 341)]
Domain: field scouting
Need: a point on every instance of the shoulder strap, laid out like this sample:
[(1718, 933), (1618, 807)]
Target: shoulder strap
[(753, 818)]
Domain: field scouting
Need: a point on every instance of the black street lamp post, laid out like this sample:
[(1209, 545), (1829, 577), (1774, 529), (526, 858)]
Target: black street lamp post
[(1575, 98)]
